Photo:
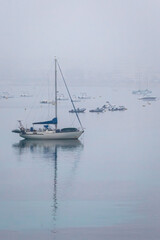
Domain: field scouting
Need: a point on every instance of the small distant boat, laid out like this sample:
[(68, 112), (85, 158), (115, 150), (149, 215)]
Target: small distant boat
[(148, 98), (97, 110), (61, 97), (44, 101), (141, 92), (115, 108), (84, 96), (147, 91), (6, 95), (137, 92), (122, 108), (47, 102), (78, 110), (75, 99), (25, 95)]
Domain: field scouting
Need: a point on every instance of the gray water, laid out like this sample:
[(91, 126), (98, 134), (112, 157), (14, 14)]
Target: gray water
[(103, 186)]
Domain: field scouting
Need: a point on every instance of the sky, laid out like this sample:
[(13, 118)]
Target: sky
[(92, 39)]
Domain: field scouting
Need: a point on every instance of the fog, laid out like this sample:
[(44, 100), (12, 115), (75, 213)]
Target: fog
[(94, 40)]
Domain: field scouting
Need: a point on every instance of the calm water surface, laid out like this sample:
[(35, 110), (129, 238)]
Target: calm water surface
[(103, 186)]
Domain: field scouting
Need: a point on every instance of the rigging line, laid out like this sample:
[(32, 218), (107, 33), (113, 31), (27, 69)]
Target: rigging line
[(69, 95)]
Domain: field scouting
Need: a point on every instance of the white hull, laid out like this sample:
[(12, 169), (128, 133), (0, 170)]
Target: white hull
[(148, 98), (51, 135)]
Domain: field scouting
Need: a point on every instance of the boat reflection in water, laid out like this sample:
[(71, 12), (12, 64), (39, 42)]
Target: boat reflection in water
[(51, 150), (47, 147)]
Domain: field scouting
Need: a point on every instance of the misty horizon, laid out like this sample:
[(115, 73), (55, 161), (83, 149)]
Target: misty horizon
[(93, 40)]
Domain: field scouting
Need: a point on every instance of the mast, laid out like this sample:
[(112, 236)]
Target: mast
[(55, 91)]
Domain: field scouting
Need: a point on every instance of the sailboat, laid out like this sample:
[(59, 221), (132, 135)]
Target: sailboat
[(48, 133), (148, 98)]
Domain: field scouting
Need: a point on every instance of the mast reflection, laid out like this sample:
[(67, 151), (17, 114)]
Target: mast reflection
[(50, 149)]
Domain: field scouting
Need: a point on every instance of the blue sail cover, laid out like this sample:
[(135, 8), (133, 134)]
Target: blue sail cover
[(53, 121)]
